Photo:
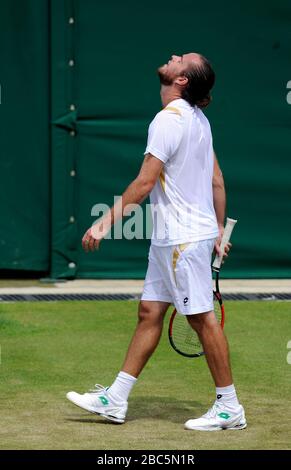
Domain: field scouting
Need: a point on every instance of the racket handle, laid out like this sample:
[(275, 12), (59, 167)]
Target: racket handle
[(230, 223)]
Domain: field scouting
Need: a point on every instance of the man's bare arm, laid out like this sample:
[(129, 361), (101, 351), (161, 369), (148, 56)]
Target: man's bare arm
[(219, 202), (219, 196), (135, 193)]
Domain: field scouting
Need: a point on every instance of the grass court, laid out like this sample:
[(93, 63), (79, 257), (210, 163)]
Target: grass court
[(50, 348)]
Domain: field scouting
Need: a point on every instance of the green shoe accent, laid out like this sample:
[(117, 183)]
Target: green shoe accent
[(104, 400), (224, 415)]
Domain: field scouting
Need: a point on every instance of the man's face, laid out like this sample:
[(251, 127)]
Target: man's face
[(176, 67)]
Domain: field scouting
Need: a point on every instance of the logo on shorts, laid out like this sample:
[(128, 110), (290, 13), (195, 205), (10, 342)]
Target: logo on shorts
[(185, 300), (218, 397)]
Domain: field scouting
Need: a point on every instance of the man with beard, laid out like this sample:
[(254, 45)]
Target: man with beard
[(181, 174)]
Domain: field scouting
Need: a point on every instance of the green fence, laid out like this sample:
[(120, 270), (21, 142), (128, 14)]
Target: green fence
[(24, 136), (78, 90)]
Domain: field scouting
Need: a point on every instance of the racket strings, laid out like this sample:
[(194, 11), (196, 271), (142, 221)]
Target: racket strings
[(184, 337), (217, 310), (189, 336)]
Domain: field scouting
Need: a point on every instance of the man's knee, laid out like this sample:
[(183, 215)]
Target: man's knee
[(202, 320), (144, 311), (150, 311)]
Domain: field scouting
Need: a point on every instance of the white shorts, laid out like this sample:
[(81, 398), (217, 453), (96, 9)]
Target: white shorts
[(181, 275)]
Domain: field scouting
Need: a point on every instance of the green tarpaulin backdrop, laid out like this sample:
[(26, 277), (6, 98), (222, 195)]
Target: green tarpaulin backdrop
[(78, 91)]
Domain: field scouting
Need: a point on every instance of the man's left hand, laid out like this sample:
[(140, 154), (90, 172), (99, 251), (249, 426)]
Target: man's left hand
[(218, 243)]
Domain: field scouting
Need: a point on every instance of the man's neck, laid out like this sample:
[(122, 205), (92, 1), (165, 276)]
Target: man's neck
[(169, 94)]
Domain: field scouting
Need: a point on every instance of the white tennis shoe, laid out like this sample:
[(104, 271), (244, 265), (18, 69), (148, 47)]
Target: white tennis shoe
[(97, 401), (219, 418)]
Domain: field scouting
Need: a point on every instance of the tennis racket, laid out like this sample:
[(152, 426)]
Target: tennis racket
[(183, 339)]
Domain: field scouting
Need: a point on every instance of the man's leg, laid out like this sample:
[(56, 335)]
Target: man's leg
[(111, 403), (227, 413), (146, 336), (214, 345), (144, 341)]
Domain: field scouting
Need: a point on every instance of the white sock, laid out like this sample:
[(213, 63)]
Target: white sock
[(121, 387), (227, 395)]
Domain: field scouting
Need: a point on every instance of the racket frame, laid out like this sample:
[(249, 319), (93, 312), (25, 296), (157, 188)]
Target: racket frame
[(216, 265), (170, 329), (218, 297)]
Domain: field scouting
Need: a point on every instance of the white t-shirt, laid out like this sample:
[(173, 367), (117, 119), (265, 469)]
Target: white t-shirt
[(182, 198)]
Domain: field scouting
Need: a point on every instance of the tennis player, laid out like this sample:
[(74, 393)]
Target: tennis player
[(181, 174)]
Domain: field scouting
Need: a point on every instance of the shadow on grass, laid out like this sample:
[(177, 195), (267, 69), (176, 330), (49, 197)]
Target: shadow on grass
[(160, 408)]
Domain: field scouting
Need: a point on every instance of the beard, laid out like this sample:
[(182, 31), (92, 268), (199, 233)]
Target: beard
[(165, 79)]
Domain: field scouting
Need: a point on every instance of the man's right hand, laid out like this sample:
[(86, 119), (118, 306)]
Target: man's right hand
[(89, 243), (92, 238)]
